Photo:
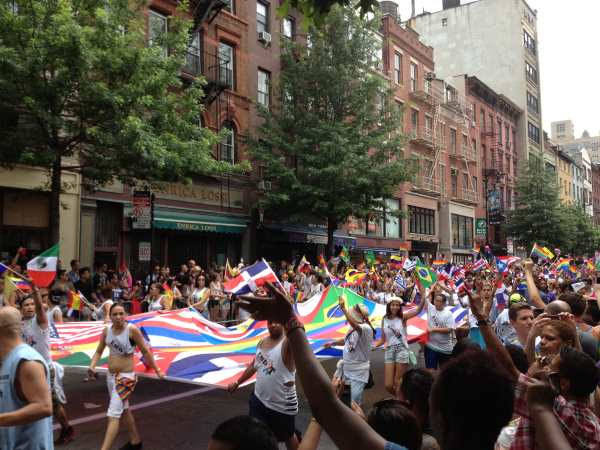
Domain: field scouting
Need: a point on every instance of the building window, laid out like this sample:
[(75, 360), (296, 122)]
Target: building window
[(157, 28), (462, 232), (288, 27), (531, 73), (454, 182), (227, 147), (528, 42), (414, 76), (392, 222), (398, 68), (533, 104), (263, 96), (229, 6), (414, 121), (475, 184), (533, 132), (422, 220), (453, 140), (429, 125), (262, 17), (444, 22), (560, 128), (227, 65), (466, 184), (499, 132), (507, 136), (192, 56), (482, 116), (442, 179)]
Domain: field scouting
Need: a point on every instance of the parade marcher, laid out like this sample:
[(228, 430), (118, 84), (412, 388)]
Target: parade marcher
[(274, 400), (393, 337), (121, 338), (25, 400), (440, 325), (36, 333), (200, 295), (355, 366)]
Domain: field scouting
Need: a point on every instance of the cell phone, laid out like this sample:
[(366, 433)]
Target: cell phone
[(554, 317), (537, 311)]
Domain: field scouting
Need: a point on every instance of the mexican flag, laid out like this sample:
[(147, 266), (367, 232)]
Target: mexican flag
[(42, 269)]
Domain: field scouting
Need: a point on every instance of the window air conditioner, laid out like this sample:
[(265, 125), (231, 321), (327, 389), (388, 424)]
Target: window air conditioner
[(264, 37)]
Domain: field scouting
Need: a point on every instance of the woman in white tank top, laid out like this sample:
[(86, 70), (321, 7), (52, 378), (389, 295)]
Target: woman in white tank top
[(393, 336), (121, 338)]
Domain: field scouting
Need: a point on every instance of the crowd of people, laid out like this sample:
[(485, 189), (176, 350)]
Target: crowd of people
[(519, 371)]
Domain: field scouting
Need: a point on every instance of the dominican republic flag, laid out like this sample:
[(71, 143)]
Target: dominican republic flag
[(250, 278), (42, 269)]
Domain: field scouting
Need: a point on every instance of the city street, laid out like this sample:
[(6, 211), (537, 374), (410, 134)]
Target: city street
[(174, 415)]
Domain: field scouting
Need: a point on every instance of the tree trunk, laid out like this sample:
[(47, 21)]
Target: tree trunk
[(331, 227), (55, 188)]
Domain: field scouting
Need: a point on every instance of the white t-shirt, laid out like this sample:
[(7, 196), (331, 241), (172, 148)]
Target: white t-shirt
[(357, 349), (395, 334), (441, 342)]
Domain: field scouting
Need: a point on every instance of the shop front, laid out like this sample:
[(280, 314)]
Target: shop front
[(286, 241), (457, 232), (422, 226), (204, 221), (25, 212)]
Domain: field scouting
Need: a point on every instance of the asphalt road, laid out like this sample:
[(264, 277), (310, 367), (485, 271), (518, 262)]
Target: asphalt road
[(173, 415)]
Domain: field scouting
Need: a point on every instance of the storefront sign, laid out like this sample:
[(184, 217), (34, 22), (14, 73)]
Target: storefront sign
[(495, 207), (141, 212), (187, 226), (201, 193), (144, 251), (481, 227)]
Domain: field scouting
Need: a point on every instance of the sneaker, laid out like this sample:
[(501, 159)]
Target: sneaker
[(130, 446), (66, 436)]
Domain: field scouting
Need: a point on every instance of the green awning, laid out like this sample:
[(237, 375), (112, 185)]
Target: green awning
[(178, 221)]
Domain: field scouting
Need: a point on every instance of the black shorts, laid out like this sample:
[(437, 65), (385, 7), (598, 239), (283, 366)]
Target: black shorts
[(282, 425)]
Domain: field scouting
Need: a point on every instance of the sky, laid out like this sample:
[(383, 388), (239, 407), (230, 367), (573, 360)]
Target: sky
[(568, 35)]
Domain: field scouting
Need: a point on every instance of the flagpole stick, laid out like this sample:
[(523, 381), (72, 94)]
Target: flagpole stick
[(16, 273)]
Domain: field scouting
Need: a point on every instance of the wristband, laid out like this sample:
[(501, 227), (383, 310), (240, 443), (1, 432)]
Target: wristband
[(292, 325), (482, 322)]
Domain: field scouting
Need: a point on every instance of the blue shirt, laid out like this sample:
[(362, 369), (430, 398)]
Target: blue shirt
[(36, 435), (393, 446)]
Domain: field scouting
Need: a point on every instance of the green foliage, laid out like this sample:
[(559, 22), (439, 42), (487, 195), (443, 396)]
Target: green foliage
[(314, 12), (332, 148), (81, 89), (540, 217)]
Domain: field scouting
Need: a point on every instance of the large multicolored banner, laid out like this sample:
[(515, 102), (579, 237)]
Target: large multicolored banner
[(189, 348)]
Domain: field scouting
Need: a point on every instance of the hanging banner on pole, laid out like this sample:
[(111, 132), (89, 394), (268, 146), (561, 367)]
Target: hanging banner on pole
[(141, 214)]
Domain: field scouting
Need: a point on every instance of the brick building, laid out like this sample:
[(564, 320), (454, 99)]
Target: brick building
[(596, 193), (235, 46)]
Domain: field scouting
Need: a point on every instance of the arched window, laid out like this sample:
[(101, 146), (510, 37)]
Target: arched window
[(227, 147)]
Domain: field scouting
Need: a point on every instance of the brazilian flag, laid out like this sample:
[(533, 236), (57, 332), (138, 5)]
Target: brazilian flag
[(370, 258), (425, 275)]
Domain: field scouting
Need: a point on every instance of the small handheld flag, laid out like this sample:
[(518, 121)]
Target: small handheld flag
[(42, 269), (425, 276)]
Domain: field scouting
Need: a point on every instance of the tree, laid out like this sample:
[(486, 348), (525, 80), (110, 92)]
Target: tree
[(81, 90), (538, 215), (332, 147), (582, 234)]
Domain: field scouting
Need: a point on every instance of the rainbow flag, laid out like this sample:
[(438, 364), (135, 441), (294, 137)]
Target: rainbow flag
[(73, 302), (322, 260), (542, 252), (169, 296), (563, 264)]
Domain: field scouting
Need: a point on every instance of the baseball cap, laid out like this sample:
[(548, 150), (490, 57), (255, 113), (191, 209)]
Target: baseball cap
[(515, 298)]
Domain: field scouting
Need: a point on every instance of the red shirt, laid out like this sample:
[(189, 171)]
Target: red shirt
[(577, 421)]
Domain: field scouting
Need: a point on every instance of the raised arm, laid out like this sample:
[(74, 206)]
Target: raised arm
[(549, 434), (351, 320), (416, 311), (492, 342), (347, 430), (534, 293), (40, 314)]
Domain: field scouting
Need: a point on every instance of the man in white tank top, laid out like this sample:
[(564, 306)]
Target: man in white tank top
[(274, 400), (36, 333)]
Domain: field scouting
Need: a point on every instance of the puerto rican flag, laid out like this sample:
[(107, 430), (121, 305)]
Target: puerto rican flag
[(250, 278), (479, 265)]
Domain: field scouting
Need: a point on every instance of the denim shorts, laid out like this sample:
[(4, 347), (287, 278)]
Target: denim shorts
[(396, 354)]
